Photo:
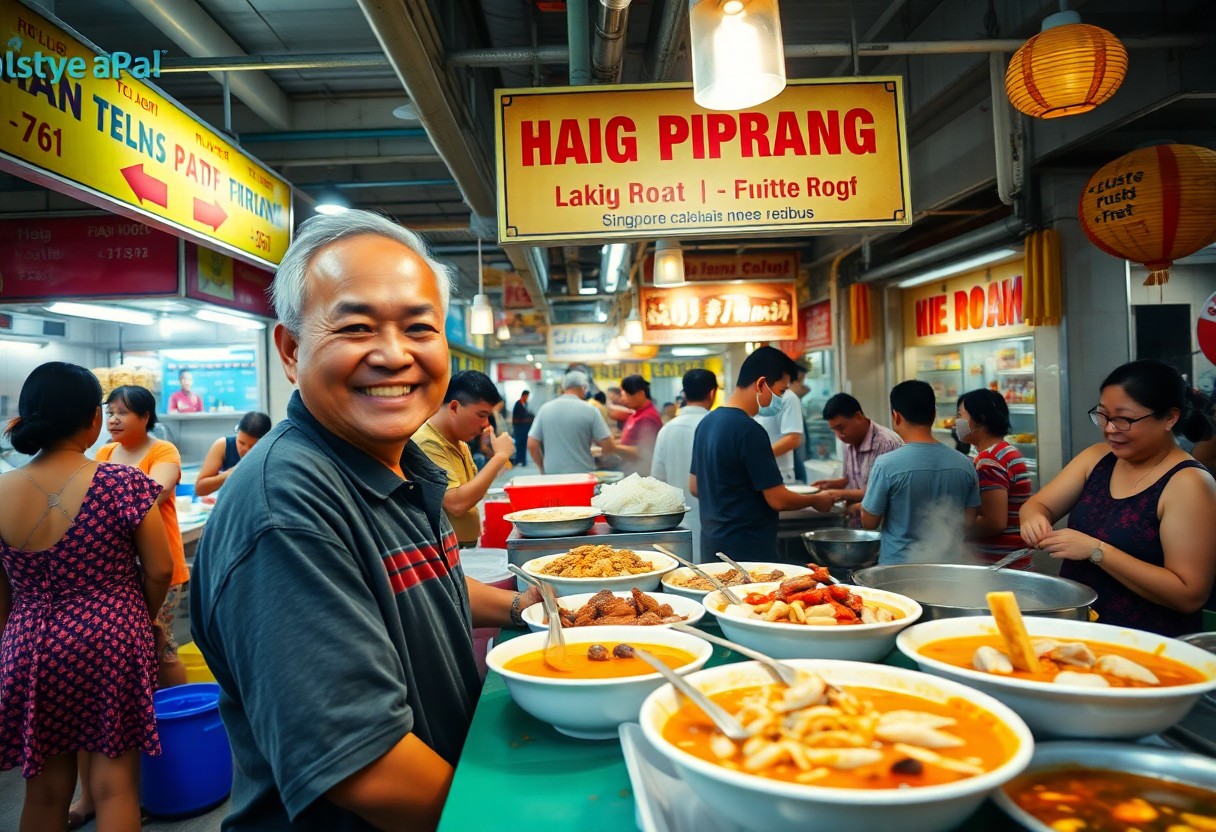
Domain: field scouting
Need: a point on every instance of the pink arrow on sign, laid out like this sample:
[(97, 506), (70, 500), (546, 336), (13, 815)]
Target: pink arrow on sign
[(146, 186), (209, 213)]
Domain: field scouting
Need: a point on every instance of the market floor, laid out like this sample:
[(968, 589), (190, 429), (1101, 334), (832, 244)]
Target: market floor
[(12, 787)]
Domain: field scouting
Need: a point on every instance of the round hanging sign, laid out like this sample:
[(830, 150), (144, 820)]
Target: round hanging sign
[(1205, 329)]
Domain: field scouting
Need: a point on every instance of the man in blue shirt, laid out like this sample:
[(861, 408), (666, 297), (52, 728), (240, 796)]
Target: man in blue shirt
[(924, 493), (734, 474)]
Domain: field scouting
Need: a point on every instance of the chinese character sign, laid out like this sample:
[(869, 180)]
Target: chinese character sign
[(707, 313)]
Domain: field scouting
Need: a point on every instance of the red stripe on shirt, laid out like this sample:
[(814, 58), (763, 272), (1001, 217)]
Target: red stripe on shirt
[(410, 567)]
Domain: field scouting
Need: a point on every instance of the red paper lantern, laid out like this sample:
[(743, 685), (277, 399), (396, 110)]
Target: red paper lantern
[(1153, 206), (1065, 70)]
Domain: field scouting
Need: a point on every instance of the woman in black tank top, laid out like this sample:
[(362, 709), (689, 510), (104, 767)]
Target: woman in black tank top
[(1141, 511)]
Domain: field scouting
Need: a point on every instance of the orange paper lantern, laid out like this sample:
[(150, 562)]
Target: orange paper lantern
[(1065, 70), (1152, 206)]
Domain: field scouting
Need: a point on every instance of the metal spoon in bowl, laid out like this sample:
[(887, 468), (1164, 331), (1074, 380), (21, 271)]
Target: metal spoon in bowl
[(731, 598), (724, 721), (555, 643), (727, 559)]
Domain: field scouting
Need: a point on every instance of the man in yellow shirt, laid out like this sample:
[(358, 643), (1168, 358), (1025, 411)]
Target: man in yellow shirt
[(465, 415)]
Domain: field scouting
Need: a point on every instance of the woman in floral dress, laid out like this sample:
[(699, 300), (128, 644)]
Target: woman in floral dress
[(84, 567)]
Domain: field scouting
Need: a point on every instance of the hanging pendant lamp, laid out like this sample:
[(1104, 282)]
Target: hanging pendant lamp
[(1068, 68), (668, 263), (738, 58), (481, 314)]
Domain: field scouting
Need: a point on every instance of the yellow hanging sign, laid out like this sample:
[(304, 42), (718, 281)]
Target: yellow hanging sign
[(73, 120)]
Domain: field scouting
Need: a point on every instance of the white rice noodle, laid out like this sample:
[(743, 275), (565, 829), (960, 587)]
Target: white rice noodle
[(638, 495)]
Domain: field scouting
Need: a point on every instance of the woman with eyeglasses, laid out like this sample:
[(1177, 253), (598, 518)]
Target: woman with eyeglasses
[(1140, 509)]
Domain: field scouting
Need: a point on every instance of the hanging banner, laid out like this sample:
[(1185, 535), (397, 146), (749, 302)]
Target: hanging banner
[(822, 155), (73, 121), (514, 295), (814, 330), (973, 307), (771, 265), (571, 343), (718, 313), (84, 257), (509, 371)]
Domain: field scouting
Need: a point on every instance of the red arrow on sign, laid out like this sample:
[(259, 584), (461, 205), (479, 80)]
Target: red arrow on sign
[(209, 213), (146, 186)]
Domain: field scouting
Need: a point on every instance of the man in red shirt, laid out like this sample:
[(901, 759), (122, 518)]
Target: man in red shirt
[(641, 429), (184, 401)]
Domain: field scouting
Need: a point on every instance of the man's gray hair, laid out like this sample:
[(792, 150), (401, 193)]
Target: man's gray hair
[(288, 291), (575, 378)]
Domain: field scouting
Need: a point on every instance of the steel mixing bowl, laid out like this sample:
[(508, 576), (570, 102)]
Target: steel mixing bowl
[(954, 590), (843, 548), (645, 522)]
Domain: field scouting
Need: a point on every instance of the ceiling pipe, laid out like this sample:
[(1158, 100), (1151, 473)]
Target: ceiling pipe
[(334, 161), (668, 31), (190, 27), (574, 269), (384, 183), (334, 135), (580, 49), (833, 49), (259, 63), (611, 23), (1008, 230)]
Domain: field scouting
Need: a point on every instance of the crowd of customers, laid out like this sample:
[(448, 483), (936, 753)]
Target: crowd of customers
[(360, 501)]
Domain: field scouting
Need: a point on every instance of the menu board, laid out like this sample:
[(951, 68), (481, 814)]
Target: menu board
[(226, 380)]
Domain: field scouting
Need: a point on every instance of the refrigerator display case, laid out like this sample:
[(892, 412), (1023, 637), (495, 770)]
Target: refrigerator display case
[(1005, 365)]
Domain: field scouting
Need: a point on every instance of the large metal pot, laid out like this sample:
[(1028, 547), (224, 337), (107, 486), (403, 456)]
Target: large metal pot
[(954, 590), (843, 548)]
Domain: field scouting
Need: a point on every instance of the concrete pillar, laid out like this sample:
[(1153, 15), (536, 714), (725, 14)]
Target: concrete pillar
[(1096, 329)]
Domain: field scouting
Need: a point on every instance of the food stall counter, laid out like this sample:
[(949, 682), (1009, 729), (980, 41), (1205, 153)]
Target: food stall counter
[(517, 771)]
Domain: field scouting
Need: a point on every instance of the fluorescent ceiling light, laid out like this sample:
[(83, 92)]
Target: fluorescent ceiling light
[(238, 321), (530, 357), (960, 266), (22, 345), (209, 354), (689, 352), (614, 258), (588, 290), (113, 314)]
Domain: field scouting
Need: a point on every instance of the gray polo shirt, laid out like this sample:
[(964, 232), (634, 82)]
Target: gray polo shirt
[(329, 602), (565, 428)]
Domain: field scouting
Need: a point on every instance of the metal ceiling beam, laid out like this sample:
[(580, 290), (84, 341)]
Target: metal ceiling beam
[(408, 35), (828, 49), (189, 26), (334, 161), (252, 63)]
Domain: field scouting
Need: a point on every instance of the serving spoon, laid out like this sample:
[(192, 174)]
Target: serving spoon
[(722, 720), (731, 598), (554, 653), (727, 559), (1011, 557)]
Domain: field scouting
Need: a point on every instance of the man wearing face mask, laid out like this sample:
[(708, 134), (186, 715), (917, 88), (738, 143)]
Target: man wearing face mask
[(734, 474)]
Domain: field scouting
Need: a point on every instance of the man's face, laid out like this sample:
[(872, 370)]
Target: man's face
[(187, 381), (799, 387), (851, 430), (371, 358), (469, 420)]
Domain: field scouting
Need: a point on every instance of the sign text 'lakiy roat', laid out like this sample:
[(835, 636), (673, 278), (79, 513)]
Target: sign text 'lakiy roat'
[(120, 143), (639, 162)]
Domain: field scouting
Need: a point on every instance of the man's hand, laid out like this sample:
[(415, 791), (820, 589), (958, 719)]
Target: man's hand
[(830, 484), (503, 445)]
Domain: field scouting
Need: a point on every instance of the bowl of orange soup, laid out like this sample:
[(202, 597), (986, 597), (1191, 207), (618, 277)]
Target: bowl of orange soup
[(880, 748), (1095, 681), (592, 698)]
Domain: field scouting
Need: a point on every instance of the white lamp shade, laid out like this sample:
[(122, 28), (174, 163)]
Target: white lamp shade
[(633, 331), (622, 344), (668, 263), (481, 316), (738, 59), (503, 334)]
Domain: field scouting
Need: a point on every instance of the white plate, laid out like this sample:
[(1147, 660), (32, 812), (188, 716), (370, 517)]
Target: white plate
[(803, 489)]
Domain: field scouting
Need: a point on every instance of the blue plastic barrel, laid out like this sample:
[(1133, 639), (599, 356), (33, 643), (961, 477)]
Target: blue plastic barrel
[(194, 771)]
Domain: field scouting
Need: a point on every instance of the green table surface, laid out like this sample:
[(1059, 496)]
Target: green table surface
[(517, 772)]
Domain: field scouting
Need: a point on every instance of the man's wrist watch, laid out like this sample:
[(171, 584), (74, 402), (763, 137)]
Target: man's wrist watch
[(1097, 554), (517, 617)]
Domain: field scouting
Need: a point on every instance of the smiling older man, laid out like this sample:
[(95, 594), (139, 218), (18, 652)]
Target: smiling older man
[(328, 596)]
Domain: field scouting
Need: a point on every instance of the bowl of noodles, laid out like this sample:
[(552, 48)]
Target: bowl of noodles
[(850, 746)]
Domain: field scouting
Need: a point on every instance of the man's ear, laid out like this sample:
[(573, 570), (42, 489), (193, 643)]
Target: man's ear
[(896, 418), (289, 350)]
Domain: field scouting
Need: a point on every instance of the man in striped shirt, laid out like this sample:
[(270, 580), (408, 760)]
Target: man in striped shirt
[(864, 441)]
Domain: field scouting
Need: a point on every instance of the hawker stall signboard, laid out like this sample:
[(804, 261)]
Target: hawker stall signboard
[(223, 281), (572, 343), (973, 307), (85, 124), (709, 313), (84, 257), (640, 162), (752, 265)]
